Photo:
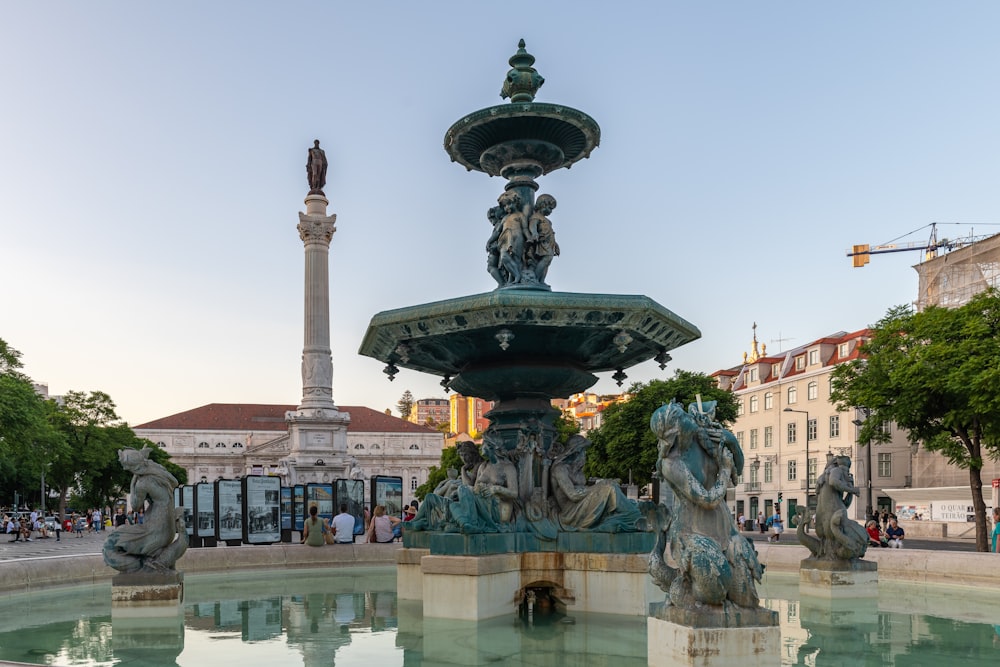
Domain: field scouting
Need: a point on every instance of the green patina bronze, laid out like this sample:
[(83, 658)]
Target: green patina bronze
[(522, 345)]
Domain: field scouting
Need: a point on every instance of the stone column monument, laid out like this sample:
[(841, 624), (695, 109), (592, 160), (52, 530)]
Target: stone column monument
[(317, 429)]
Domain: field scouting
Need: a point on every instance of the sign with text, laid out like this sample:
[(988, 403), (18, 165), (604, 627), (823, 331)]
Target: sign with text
[(320, 495), (229, 509), (204, 508), (187, 502), (952, 510), (388, 491), (286, 508), (261, 509), (298, 506)]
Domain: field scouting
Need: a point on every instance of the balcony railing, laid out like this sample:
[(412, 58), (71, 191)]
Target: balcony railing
[(751, 487)]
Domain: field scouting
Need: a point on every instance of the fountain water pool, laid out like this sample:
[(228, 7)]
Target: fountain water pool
[(353, 617)]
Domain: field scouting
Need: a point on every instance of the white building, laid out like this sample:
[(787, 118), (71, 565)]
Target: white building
[(229, 440), (787, 427)]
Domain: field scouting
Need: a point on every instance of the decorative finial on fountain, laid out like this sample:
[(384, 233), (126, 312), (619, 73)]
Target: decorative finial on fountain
[(523, 81)]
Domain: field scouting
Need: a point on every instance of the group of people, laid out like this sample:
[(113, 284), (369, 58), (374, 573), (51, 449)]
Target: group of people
[(379, 526), (28, 526), (890, 537)]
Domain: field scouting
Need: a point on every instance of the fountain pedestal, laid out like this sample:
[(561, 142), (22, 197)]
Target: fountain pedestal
[(147, 595), (713, 638), (838, 578)]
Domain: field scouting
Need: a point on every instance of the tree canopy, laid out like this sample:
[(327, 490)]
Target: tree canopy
[(934, 373), (624, 442)]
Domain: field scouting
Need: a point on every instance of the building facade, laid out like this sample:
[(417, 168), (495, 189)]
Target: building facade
[(434, 410), (787, 427), (227, 441), (467, 414)]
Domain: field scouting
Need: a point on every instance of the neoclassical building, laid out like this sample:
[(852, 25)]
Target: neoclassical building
[(229, 440)]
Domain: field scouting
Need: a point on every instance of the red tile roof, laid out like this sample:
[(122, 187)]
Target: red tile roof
[(258, 417)]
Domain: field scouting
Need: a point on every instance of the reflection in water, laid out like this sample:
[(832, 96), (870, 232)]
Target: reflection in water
[(352, 617)]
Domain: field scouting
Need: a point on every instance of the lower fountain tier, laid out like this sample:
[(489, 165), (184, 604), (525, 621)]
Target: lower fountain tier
[(512, 343)]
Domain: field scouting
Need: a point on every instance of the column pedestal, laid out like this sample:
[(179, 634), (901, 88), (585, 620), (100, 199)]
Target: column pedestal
[(838, 579), (147, 595), (745, 638)]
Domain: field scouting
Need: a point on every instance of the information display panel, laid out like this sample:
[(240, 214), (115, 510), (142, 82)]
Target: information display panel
[(351, 492), (229, 509), (261, 509), (320, 495), (388, 491), (187, 502), (286, 508), (204, 508), (298, 506)]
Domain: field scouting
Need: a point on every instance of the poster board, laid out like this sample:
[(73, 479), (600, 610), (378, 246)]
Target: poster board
[(388, 491), (298, 506), (187, 502), (229, 510), (351, 492), (286, 508), (261, 509), (204, 509), (320, 495)]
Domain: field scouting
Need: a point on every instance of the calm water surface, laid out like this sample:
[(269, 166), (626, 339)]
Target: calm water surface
[(352, 617)]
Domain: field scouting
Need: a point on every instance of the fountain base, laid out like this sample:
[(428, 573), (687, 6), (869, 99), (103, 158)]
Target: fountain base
[(670, 643), (838, 579), (147, 595)]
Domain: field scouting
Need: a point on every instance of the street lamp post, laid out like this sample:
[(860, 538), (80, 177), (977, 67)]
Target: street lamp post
[(806, 413), (864, 413)]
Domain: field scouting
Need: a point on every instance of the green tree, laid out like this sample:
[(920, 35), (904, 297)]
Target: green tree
[(28, 440), (405, 404), (935, 374), (437, 474), (624, 442)]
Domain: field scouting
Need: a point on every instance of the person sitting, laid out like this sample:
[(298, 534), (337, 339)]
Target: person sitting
[(343, 527), (895, 533), (875, 538), (313, 529), (381, 527)]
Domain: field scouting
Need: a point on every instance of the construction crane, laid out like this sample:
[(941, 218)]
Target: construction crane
[(862, 252)]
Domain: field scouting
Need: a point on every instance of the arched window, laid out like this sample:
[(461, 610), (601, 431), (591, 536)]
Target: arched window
[(202, 445), (793, 394), (220, 445), (161, 445), (768, 401), (413, 484), (753, 404), (375, 446), (237, 445), (812, 391), (415, 446), (204, 479), (359, 446)]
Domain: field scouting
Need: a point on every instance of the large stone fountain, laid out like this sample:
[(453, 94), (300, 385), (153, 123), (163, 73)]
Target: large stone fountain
[(522, 345)]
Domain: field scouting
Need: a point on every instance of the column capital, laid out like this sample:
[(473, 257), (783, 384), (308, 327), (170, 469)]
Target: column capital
[(316, 228)]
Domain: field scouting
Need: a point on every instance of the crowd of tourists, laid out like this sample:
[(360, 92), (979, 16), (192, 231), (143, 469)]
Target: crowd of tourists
[(30, 525), (379, 526)]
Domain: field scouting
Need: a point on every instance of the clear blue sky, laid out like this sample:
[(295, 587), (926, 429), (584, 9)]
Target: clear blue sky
[(152, 166)]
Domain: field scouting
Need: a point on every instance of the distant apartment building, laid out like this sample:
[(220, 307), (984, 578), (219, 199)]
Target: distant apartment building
[(435, 410), (467, 414), (587, 409), (787, 428)]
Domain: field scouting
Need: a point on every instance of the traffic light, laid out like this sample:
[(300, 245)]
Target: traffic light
[(779, 496)]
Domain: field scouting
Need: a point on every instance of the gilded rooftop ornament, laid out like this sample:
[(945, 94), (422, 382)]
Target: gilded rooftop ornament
[(523, 81)]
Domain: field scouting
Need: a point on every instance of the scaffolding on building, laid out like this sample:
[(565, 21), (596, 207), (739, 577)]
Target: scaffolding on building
[(952, 279)]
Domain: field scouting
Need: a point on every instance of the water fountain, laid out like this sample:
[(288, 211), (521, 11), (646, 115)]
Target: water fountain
[(522, 345)]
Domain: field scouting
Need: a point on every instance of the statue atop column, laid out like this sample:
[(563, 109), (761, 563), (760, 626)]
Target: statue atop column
[(316, 169)]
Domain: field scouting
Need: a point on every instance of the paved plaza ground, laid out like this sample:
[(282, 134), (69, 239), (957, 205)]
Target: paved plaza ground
[(92, 543)]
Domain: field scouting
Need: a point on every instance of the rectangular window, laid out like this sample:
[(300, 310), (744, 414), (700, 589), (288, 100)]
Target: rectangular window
[(813, 357), (845, 349), (768, 472), (835, 426), (739, 408), (812, 473), (791, 433), (753, 438), (887, 427), (800, 363), (768, 401), (885, 465), (739, 437), (753, 474), (792, 473), (811, 429), (753, 374), (753, 404), (768, 436), (775, 371), (812, 391)]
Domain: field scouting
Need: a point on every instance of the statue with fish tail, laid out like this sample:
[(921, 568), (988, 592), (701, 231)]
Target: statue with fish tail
[(716, 566)]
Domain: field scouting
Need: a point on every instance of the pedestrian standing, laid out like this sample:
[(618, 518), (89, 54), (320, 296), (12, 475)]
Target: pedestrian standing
[(760, 523)]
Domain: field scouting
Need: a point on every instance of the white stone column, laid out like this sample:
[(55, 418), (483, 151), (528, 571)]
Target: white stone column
[(316, 230)]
